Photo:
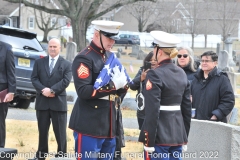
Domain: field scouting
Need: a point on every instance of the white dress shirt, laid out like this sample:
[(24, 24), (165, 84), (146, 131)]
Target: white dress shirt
[(55, 60)]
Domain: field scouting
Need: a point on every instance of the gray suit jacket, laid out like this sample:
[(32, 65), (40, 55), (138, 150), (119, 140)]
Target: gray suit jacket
[(58, 81)]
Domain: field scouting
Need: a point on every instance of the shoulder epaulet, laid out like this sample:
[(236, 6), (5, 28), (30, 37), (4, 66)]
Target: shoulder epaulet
[(85, 51)]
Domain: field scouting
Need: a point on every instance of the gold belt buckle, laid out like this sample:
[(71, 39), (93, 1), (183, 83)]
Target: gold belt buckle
[(112, 97)]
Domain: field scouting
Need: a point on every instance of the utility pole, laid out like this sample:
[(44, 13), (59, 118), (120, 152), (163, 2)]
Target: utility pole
[(19, 18)]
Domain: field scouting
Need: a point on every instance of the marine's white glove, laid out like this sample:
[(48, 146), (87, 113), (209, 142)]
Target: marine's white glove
[(149, 149), (118, 77), (184, 148)]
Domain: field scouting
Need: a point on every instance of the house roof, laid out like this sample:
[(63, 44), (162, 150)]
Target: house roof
[(6, 8)]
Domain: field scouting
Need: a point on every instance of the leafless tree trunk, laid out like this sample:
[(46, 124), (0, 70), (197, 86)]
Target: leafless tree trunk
[(227, 17), (43, 21), (142, 11)]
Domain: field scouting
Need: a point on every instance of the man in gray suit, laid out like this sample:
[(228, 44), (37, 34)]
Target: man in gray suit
[(51, 76), (7, 81)]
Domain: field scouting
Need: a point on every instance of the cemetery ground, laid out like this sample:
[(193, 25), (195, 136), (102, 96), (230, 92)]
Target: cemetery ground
[(23, 135)]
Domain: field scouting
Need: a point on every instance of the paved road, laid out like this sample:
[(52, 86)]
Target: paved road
[(30, 115)]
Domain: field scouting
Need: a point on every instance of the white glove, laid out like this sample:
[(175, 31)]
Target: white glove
[(149, 149), (184, 148), (119, 78)]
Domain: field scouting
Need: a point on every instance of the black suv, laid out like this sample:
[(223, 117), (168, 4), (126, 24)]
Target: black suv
[(128, 39), (26, 49)]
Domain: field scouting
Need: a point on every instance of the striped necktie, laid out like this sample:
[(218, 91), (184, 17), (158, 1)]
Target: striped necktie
[(51, 65)]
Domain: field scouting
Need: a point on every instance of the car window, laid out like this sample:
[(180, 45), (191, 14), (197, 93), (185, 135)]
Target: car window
[(20, 40), (135, 36)]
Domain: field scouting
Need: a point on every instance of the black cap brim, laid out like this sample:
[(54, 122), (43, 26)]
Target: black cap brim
[(114, 37), (110, 35)]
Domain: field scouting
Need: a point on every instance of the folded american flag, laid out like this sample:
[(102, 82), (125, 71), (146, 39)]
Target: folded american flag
[(105, 75)]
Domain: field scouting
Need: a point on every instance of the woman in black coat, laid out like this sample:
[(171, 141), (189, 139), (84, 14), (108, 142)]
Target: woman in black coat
[(186, 62), (139, 80)]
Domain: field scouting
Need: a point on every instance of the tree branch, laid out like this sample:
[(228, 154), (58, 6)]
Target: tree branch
[(63, 4), (40, 27), (110, 8), (43, 8)]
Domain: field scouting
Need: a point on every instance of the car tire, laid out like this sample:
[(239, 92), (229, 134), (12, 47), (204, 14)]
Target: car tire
[(20, 103)]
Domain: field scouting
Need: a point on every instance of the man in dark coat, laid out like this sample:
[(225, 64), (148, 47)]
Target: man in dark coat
[(7, 81), (212, 93), (167, 103), (51, 76), (93, 118)]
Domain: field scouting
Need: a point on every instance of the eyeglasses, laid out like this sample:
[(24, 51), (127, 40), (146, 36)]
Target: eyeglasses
[(180, 55), (205, 61)]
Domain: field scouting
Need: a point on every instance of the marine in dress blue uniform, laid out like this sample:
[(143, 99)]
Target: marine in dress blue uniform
[(167, 103), (93, 118)]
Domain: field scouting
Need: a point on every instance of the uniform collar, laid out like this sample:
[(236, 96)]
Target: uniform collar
[(96, 48), (165, 61)]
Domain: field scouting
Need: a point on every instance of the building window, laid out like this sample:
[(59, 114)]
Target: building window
[(176, 23), (15, 22), (53, 21), (31, 22), (62, 22)]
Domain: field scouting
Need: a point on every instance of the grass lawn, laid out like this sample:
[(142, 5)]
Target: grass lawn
[(23, 135)]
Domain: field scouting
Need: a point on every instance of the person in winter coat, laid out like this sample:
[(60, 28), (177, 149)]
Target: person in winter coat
[(139, 80), (186, 62), (212, 93)]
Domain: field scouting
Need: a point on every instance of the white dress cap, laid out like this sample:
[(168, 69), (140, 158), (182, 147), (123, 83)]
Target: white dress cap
[(107, 26), (164, 39)]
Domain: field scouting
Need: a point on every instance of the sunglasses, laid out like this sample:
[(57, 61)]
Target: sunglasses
[(205, 61), (180, 55)]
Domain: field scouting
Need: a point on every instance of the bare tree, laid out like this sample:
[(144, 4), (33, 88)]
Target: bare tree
[(45, 23), (180, 17), (193, 22), (80, 12), (142, 11), (226, 16), (165, 18), (206, 27)]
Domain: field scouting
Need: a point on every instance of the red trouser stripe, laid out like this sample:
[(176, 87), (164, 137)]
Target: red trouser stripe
[(79, 145), (147, 156)]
